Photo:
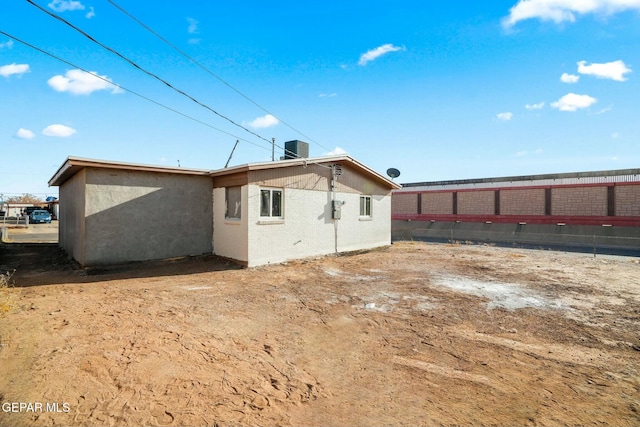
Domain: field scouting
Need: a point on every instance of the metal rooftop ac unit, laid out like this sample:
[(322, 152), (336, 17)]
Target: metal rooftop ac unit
[(296, 149)]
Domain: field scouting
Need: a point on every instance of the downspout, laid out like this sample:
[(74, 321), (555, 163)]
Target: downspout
[(336, 206), (334, 177)]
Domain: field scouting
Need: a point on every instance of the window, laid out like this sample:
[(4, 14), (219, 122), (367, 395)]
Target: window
[(365, 205), (233, 197), (271, 203)]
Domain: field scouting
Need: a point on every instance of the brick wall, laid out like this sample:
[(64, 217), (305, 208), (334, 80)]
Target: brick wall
[(437, 203), (615, 204), (522, 201), (404, 203), (627, 200), (476, 202), (579, 201)]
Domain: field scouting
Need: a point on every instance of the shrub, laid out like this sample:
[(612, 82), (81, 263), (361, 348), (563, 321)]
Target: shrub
[(6, 282)]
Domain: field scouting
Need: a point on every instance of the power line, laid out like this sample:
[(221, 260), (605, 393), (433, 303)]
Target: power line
[(149, 73), (155, 76), (181, 52), (126, 89), (146, 98)]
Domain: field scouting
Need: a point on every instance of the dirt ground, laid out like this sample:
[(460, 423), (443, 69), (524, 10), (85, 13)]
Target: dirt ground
[(413, 334)]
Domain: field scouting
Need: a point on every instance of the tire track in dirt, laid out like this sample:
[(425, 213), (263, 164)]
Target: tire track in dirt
[(354, 340)]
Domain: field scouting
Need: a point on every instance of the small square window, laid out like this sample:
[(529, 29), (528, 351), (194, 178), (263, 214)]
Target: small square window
[(271, 203), (365, 205)]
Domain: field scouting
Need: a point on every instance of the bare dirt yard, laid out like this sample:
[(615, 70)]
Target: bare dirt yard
[(413, 334)]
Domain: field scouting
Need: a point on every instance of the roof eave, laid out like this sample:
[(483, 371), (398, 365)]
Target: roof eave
[(74, 164), (306, 161)]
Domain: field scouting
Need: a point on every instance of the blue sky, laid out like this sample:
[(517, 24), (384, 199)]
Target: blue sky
[(438, 90)]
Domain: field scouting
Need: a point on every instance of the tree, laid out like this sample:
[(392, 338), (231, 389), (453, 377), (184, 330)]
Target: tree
[(25, 198)]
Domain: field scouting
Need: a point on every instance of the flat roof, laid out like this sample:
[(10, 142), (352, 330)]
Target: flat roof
[(542, 177)]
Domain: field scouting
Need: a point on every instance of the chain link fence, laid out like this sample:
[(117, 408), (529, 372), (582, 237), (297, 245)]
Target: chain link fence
[(599, 240)]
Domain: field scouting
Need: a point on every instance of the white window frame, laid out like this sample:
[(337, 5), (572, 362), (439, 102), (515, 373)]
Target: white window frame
[(363, 212), (271, 194)]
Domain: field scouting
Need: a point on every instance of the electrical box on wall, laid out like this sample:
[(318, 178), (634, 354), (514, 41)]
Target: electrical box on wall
[(336, 210)]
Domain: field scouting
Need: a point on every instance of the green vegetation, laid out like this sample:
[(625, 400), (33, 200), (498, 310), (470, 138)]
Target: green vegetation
[(6, 281)]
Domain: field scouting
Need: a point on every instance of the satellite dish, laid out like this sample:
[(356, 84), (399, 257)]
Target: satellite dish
[(393, 173)]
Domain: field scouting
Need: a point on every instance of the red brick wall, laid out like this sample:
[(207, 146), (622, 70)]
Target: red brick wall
[(579, 201), (437, 203), (476, 202), (627, 200), (522, 201), (404, 203)]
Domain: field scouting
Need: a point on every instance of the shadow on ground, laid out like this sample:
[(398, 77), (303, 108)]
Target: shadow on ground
[(38, 264)]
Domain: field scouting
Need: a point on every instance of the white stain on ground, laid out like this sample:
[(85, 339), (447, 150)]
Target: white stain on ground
[(504, 295)]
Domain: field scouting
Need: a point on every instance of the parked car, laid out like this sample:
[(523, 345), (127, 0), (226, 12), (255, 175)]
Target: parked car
[(27, 211), (39, 216)]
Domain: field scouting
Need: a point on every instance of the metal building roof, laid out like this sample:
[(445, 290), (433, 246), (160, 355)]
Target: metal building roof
[(595, 177)]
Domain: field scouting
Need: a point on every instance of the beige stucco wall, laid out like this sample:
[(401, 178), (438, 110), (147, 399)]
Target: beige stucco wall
[(71, 224), (137, 216), (230, 235)]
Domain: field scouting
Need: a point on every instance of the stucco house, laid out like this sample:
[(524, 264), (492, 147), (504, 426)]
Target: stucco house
[(259, 213)]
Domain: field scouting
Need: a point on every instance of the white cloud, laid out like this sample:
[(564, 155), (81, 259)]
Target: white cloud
[(25, 134), (615, 135), (610, 70), (193, 26), (58, 130), (560, 11), (194, 41), (505, 117), (91, 13), (327, 95), (264, 121), (573, 102), (605, 110), (338, 151), (527, 153), (11, 69), (569, 78), (374, 54), (538, 106), (79, 82), (66, 5), (8, 44)]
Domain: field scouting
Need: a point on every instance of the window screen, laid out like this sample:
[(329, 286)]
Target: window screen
[(233, 198)]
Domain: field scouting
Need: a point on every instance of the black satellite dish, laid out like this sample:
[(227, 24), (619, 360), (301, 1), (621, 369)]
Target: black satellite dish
[(393, 173)]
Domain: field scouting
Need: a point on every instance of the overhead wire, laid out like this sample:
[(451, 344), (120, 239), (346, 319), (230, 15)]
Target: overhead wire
[(127, 89), (149, 73), (207, 70), (146, 98), (166, 83)]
